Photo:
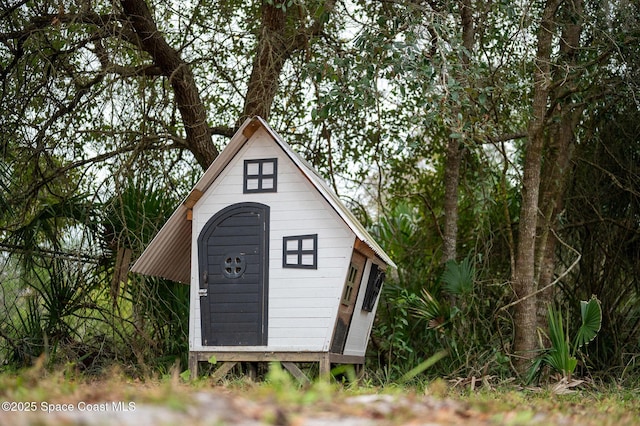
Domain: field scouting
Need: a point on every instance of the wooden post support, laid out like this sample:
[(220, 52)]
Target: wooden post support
[(223, 370), (193, 365), (226, 360), (296, 372), (359, 372), (325, 367)]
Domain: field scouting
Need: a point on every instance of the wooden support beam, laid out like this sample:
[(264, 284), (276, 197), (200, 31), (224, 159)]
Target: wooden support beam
[(296, 372), (325, 367), (193, 198), (359, 372), (345, 359), (261, 356), (193, 365), (229, 359), (222, 371), (363, 248)]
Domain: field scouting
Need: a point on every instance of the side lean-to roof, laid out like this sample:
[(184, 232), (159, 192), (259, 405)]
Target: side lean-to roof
[(169, 253)]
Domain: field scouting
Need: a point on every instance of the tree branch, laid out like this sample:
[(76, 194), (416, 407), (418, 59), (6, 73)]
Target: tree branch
[(187, 97)]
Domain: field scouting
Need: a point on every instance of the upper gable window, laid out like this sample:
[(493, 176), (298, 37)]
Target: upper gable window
[(261, 175)]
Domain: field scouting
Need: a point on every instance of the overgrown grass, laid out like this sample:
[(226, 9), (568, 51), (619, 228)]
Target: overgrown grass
[(279, 394), (587, 406)]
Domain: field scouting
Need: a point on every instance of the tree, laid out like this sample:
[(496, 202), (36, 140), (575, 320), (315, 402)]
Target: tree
[(454, 147), (465, 132), (95, 90), (563, 91), (186, 94), (524, 283)]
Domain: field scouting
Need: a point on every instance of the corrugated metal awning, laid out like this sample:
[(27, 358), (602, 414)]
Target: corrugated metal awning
[(169, 253)]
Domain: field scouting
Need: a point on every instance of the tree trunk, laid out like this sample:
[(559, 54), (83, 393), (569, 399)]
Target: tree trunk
[(451, 182), (187, 96), (277, 42), (524, 284), (455, 151), (274, 47), (558, 154), (554, 173)]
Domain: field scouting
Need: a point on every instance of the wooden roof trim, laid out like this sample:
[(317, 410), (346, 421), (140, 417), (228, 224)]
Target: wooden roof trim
[(251, 128), (193, 198), (364, 248)]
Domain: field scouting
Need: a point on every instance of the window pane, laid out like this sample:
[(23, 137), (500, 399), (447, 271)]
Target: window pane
[(253, 168), (267, 183), (292, 245), (307, 244), (252, 184), (300, 251), (267, 168)]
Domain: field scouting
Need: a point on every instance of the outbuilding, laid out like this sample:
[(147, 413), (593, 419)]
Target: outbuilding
[(279, 268)]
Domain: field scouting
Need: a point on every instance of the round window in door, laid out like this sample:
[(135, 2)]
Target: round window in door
[(233, 265)]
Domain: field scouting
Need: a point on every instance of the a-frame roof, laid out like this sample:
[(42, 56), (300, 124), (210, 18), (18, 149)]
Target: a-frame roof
[(169, 253)]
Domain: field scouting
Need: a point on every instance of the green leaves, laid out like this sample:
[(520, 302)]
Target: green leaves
[(458, 278), (591, 313), (430, 309), (561, 356), (284, 5)]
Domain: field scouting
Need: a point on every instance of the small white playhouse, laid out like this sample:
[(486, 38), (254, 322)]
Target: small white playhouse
[(279, 269)]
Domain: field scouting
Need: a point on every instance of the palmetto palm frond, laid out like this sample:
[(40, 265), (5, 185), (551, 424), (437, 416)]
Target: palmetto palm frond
[(458, 278)]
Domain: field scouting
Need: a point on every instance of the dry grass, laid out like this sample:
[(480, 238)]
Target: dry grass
[(280, 400)]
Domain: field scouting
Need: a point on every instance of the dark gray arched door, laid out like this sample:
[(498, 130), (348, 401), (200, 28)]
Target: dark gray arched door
[(233, 262)]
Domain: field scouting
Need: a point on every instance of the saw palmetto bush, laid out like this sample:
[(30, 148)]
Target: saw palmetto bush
[(153, 312), (428, 309), (67, 292), (563, 353), (49, 278), (457, 312)]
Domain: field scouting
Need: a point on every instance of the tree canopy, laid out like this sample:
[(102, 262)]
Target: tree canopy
[(502, 134)]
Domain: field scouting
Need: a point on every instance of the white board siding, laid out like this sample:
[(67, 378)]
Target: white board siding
[(309, 304), (296, 296), (291, 292)]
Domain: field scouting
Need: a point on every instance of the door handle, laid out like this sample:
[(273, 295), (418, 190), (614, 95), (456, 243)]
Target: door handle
[(205, 279)]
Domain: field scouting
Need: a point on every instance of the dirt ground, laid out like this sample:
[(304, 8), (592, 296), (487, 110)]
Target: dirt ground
[(220, 408), (55, 402), (215, 408)]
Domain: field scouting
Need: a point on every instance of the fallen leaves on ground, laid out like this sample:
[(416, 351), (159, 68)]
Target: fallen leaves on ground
[(170, 401)]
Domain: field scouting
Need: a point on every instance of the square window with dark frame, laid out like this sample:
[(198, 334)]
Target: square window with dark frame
[(260, 175), (300, 251)]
